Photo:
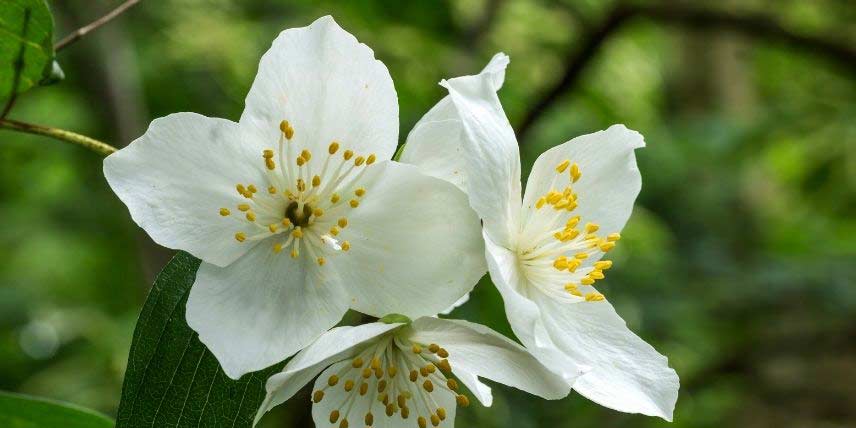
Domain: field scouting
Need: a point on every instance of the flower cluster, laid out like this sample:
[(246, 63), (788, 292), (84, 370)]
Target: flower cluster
[(298, 214)]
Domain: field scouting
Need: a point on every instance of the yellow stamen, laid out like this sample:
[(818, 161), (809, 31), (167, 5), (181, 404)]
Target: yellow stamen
[(587, 280), (272, 227), (321, 261), (346, 245), (316, 181), (359, 160), (603, 265), (596, 274), (343, 222), (297, 232), (334, 416), (267, 153), (272, 190), (563, 166), (371, 159), (300, 161), (240, 236), (575, 173), (591, 228), (360, 192), (286, 222), (335, 198), (286, 129), (243, 207), (354, 203), (317, 212), (277, 248), (224, 212), (269, 164), (251, 216), (606, 246), (348, 154), (612, 237), (306, 154), (317, 396), (334, 231), (294, 253), (540, 203), (594, 297), (252, 189), (334, 147)]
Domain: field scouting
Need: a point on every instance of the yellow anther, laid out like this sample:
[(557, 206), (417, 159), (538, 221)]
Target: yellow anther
[(416, 349), (390, 409), (360, 192), (346, 245), (277, 248), (348, 154), (422, 422), (252, 189), (306, 154), (371, 159), (334, 416), (587, 280), (428, 385), (573, 222), (354, 203), (366, 373), (401, 401), (357, 363), (405, 412), (273, 227), (443, 353), (435, 420), (240, 236), (571, 206), (241, 189), (317, 396), (540, 203), (267, 153), (334, 231), (321, 261), (364, 388), (570, 286), (272, 190), (251, 216), (594, 297), (606, 246), (270, 164), (381, 386), (286, 129), (317, 212), (444, 366), (569, 235), (603, 264), (301, 185), (431, 368), (553, 197), (286, 222), (591, 228), (375, 363), (462, 400), (316, 181), (391, 371), (297, 232), (224, 212), (433, 348), (452, 384), (414, 375), (378, 372), (335, 198), (334, 147), (333, 380), (243, 207), (561, 263), (563, 166), (581, 256), (441, 413), (359, 160), (562, 204), (300, 161), (344, 423), (423, 371), (596, 274), (573, 264), (575, 172), (343, 222), (294, 253), (369, 420), (612, 237)]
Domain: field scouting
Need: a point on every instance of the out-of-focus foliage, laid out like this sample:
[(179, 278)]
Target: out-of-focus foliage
[(738, 262), (21, 411)]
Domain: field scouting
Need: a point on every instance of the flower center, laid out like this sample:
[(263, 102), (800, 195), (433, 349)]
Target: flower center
[(397, 377), (558, 257), (302, 205)]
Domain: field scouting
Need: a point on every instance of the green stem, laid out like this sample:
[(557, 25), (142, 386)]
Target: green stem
[(59, 134)]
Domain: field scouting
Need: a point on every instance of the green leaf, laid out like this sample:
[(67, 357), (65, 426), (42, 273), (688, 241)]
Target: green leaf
[(21, 411), (26, 43), (172, 378)]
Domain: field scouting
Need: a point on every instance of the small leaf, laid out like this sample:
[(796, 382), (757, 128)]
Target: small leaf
[(26, 44), (21, 411), (172, 378)]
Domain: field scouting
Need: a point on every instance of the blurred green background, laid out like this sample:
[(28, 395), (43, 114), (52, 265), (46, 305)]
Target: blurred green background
[(738, 262)]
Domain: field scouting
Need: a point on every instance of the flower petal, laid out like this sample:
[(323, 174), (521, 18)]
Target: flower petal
[(176, 177), (415, 244), (610, 180), (491, 153), (627, 374), (329, 87), (435, 144), (480, 351), (337, 344), (262, 309)]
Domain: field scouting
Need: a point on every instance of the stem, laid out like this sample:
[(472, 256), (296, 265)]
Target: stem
[(59, 134), (82, 31)]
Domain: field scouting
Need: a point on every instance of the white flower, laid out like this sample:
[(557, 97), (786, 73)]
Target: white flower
[(545, 250), (403, 374), (296, 210)]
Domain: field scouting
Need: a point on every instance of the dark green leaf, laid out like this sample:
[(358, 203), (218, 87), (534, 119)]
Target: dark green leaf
[(26, 45), (172, 378), (21, 411)]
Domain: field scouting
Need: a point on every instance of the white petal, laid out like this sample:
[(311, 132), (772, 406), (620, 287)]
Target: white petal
[(262, 308), (456, 305), (435, 144), (480, 351), (337, 344), (415, 244), (329, 87), (627, 374), (610, 179), (176, 177), (524, 315), (491, 153)]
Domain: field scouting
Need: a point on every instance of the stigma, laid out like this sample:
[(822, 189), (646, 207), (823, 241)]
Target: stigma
[(392, 378), (304, 204), (560, 255)]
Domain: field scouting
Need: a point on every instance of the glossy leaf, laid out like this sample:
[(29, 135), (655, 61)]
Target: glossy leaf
[(22, 411), (26, 46), (172, 379)]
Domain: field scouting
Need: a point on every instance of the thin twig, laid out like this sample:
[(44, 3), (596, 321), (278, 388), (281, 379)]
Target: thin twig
[(19, 67), (82, 31), (59, 134), (757, 26)]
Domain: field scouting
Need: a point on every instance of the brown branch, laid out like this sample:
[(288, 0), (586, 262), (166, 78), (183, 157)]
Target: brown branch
[(688, 17), (82, 31), (59, 134)]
